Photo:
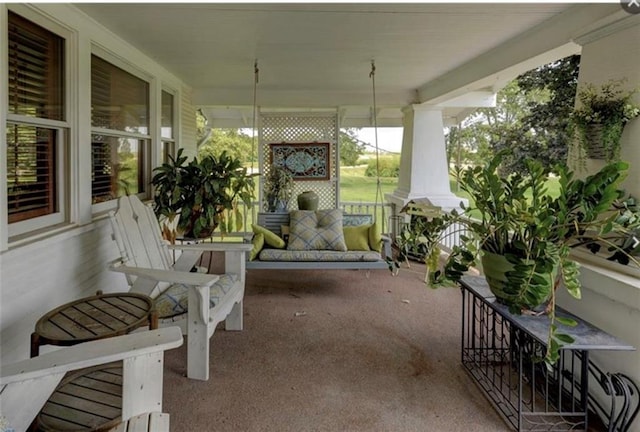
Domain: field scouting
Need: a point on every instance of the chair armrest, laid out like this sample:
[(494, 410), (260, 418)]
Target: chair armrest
[(171, 276), (91, 354), (216, 247)]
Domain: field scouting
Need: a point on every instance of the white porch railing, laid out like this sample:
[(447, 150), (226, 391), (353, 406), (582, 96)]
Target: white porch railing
[(382, 211), (452, 236)]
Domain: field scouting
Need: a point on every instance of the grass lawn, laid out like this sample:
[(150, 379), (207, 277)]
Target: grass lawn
[(354, 186)]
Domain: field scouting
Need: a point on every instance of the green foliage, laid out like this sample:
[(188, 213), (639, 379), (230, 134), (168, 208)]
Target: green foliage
[(502, 126), (547, 119), (468, 144), (350, 148), (533, 229), (384, 166), (203, 194), (232, 141), (202, 130), (531, 119), (278, 186)]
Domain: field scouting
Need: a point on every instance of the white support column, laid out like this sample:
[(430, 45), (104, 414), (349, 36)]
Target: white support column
[(423, 163)]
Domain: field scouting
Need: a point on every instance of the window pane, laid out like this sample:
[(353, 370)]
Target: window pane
[(31, 171), (36, 85), (119, 100), (168, 149), (167, 115), (117, 167)]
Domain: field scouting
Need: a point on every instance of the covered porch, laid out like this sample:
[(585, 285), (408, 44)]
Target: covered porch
[(434, 63), (332, 352)]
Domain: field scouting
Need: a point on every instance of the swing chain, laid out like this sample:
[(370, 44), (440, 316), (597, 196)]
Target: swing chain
[(379, 196)]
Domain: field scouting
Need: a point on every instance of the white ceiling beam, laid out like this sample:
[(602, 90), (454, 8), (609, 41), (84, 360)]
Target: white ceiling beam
[(475, 99), (301, 97)]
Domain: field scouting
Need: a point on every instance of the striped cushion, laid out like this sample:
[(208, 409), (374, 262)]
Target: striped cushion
[(316, 230), (173, 301)]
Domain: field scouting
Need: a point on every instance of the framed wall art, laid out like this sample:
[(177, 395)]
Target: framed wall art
[(305, 161)]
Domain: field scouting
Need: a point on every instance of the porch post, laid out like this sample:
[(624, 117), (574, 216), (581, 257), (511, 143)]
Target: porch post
[(423, 162)]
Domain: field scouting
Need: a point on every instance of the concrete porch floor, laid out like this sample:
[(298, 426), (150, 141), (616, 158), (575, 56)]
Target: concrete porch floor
[(334, 351)]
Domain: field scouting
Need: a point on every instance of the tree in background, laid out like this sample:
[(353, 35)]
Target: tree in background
[(467, 144), (236, 143), (387, 165), (239, 144), (549, 119), (531, 118), (504, 125), (350, 147)]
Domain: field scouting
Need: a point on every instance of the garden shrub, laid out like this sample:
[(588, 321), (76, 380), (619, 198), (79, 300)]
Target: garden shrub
[(389, 166)]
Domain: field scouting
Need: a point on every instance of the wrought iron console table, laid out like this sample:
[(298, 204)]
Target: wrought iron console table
[(501, 352)]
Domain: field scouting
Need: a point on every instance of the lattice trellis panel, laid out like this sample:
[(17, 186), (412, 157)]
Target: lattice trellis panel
[(302, 128)]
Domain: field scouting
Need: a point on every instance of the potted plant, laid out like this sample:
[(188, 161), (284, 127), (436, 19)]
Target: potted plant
[(625, 249), (278, 187), (600, 119), (524, 234), (197, 196)]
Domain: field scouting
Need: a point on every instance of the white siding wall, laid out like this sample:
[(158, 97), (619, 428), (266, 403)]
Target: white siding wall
[(188, 124), (610, 300), (43, 272)]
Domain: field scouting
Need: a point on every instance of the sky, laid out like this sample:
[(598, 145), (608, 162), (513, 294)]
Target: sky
[(389, 138)]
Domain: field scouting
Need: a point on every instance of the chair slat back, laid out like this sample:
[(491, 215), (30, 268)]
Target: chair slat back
[(137, 233)]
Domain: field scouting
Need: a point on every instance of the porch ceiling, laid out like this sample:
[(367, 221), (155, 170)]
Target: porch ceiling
[(317, 55)]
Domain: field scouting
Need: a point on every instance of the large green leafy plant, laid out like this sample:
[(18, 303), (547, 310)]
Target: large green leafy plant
[(200, 195), (531, 229)]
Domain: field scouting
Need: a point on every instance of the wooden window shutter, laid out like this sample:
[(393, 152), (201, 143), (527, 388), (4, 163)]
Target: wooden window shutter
[(35, 89), (36, 85)]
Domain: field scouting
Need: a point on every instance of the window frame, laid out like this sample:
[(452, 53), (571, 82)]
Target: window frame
[(145, 165), (61, 128), (169, 146)]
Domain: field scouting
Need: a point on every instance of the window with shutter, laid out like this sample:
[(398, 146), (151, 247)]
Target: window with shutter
[(36, 96), (120, 124)]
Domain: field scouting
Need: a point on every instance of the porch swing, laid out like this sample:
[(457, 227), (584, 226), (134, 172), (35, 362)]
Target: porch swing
[(279, 257)]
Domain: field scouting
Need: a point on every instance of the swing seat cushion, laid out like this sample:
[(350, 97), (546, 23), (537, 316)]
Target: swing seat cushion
[(361, 235), (316, 230), (318, 256)]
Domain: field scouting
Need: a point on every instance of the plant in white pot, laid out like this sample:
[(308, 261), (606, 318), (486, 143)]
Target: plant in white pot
[(524, 234)]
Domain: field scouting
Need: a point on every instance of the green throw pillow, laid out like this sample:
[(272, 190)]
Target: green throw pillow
[(357, 237), (375, 237), (270, 238), (258, 244)]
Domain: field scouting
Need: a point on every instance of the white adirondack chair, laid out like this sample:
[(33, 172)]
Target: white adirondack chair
[(147, 262), (25, 386)]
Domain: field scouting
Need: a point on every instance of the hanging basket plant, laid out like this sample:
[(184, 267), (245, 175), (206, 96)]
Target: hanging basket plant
[(601, 117)]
